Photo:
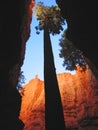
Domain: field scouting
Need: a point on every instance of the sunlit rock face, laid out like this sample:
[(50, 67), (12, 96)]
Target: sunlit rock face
[(32, 109), (79, 94)]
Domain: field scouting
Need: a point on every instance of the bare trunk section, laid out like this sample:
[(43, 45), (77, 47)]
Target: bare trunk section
[(54, 117)]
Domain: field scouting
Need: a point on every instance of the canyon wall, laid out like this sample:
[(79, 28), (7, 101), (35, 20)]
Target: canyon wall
[(79, 95), (15, 19), (81, 17)]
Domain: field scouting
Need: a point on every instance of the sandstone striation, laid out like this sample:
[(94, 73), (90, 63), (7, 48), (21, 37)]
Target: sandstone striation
[(79, 95)]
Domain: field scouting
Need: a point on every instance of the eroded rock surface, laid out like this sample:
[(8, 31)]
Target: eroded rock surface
[(79, 94)]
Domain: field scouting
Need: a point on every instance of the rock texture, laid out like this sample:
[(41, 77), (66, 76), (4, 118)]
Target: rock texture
[(81, 17), (15, 19), (79, 94)]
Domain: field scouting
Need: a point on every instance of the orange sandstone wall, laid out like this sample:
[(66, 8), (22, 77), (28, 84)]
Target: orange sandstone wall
[(79, 94)]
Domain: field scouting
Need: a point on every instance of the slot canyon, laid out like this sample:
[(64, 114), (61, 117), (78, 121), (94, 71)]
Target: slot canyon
[(15, 20)]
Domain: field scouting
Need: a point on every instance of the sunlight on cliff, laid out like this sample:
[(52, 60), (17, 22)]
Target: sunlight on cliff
[(79, 94), (78, 98)]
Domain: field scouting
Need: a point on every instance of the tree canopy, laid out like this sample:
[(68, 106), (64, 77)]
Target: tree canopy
[(72, 56), (50, 16), (50, 21), (21, 81)]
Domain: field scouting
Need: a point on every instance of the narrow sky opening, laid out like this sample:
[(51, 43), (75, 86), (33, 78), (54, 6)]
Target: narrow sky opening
[(33, 62)]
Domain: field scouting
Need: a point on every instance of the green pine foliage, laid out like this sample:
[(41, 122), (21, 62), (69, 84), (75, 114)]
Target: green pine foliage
[(71, 55), (49, 16), (21, 81)]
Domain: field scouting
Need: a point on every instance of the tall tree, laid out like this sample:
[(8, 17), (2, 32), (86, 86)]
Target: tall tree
[(21, 81), (72, 56), (50, 21)]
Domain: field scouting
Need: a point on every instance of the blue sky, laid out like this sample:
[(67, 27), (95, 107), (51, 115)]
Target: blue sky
[(33, 62)]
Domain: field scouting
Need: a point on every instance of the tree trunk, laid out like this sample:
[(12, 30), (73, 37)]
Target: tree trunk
[(54, 118)]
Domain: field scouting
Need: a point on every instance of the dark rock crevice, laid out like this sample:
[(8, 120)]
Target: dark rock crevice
[(15, 19), (81, 17)]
